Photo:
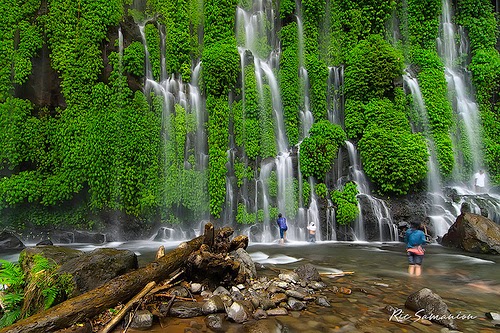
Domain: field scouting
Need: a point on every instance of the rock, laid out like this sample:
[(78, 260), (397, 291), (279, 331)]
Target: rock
[(44, 242), (277, 312), (289, 277), (473, 233), (430, 306), (247, 266), (259, 314), (61, 237), (9, 241), (278, 298), (178, 291), (317, 285), (295, 304), (59, 254), (322, 301), (238, 313), (196, 287), (213, 305), (295, 294), (266, 303), (493, 316), (183, 309), (93, 269), (143, 319), (308, 273), (89, 237), (221, 291), (215, 322)]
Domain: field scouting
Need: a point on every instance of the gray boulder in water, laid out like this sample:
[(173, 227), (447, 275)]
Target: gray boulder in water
[(473, 233), (430, 306)]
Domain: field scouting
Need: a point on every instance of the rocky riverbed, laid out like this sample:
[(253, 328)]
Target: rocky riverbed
[(371, 299)]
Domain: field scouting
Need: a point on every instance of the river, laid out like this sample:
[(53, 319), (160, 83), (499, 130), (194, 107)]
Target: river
[(468, 283)]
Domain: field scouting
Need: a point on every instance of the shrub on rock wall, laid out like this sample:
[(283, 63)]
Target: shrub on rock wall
[(319, 150)]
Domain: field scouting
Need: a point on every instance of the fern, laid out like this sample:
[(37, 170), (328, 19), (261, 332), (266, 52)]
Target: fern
[(9, 317), (32, 292), (11, 274), (12, 277)]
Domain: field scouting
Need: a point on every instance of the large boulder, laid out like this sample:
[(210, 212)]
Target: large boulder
[(57, 254), (88, 270), (93, 269), (9, 241), (473, 233)]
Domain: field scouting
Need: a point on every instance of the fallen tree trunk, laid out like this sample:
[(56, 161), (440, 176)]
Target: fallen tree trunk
[(118, 290)]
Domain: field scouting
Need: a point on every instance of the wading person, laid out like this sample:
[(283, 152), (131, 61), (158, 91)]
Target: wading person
[(414, 239), (281, 221), (312, 232)]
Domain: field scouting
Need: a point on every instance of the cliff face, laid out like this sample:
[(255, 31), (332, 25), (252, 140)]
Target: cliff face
[(170, 114)]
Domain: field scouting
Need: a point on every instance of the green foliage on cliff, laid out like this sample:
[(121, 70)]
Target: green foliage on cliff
[(371, 69), (104, 145), (346, 204), (289, 81), (318, 151)]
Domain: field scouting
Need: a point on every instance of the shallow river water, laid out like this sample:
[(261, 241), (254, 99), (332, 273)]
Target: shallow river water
[(468, 283)]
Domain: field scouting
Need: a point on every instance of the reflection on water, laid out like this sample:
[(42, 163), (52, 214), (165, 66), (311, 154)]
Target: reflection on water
[(468, 283)]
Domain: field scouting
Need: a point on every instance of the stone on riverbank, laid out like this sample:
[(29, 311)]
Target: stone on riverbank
[(473, 233), (428, 305)]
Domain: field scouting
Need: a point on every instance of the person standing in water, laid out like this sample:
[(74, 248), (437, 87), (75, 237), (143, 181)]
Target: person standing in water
[(414, 239), (479, 181), (312, 232), (281, 221)]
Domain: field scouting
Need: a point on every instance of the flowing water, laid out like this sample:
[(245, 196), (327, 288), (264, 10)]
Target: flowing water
[(468, 283)]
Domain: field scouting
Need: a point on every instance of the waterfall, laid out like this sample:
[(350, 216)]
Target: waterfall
[(459, 89), (267, 234), (335, 95), (174, 92), (251, 29), (378, 208), (440, 215), (306, 116)]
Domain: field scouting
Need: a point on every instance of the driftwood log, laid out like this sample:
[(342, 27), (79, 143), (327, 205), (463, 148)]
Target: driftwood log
[(118, 290)]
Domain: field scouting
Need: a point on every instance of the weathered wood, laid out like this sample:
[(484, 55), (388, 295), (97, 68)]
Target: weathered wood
[(116, 319), (209, 235), (118, 290)]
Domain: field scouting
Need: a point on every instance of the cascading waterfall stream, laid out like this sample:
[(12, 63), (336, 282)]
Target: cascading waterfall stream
[(459, 91), (378, 207), (440, 215), (335, 95), (253, 26), (173, 91)]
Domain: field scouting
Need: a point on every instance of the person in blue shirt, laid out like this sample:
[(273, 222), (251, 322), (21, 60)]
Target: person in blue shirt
[(281, 221), (414, 239)]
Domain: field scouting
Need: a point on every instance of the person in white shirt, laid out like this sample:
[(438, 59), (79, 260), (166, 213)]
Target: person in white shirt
[(312, 232), (479, 181)]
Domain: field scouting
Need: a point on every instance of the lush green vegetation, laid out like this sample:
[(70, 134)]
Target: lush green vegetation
[(32, 291), (346, 204), (318, 151), (107, 142)]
